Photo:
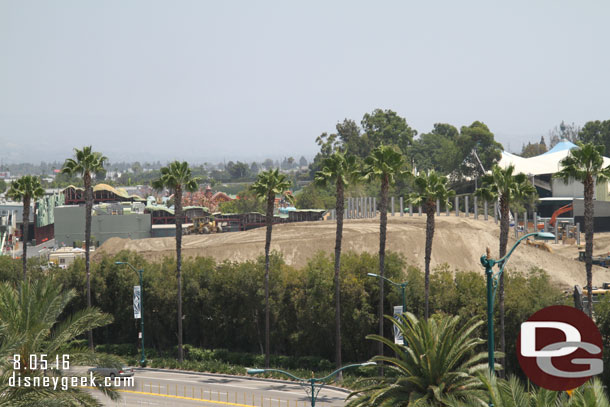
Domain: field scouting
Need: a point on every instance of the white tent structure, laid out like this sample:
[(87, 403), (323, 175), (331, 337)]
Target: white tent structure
[(547, 163), (541, 168)]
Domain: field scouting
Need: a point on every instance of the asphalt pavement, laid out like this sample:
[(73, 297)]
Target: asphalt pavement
[(168, 388)]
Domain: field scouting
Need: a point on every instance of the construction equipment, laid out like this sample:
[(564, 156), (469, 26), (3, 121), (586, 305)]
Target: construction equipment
[(204, 225), (601, 260), (581, 299), (539, 245), (562, 210)]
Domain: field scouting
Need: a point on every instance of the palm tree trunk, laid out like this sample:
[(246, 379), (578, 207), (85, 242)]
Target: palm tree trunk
[(26, 227), (504, 226), (269, 222), (339, 208), (178, 214), (588, 184), (88, 209), (383, 224), (430, 209)]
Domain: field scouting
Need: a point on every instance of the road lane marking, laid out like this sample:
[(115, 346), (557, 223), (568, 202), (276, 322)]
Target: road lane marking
[(225, 403)]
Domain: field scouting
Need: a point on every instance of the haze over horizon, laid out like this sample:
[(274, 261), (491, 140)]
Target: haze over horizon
[(206, 81)]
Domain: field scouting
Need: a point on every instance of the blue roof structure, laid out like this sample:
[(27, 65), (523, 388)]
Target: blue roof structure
[(561, 146)]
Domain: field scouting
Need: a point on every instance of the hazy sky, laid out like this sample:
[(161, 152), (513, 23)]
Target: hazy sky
[(207, 80)]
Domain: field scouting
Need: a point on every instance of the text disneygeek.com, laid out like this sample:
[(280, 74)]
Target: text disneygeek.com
[(65, 382)]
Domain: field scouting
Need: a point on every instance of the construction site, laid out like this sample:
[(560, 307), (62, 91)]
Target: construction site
[(458, 242)]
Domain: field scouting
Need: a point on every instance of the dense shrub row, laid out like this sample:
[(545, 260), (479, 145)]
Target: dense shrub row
[(223, 306)]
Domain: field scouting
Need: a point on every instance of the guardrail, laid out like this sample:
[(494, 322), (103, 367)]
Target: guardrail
[(213, 396)]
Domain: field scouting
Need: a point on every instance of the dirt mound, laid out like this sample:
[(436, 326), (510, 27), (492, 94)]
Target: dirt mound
[(458, 241)]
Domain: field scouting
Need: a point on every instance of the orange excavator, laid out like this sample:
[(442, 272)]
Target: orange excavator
[(562, 210)]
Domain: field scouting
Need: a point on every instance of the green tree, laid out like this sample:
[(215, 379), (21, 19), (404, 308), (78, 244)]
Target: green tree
[(596, 132), (177, 178), (268, 164), (477, 137), (302, 162), (30, 326), (314, 197), (267, 186), (586, 164), (386, 165), (437, 150), (26, 189), (341, 170), (387, 128), (246, 201), (508, 188), (85, 163), (564, 131), (2, 186), (533, 149), (438, 365), (238, 170), (429, 187)]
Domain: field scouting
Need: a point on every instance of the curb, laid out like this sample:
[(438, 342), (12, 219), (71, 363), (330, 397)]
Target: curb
[(262, 379)]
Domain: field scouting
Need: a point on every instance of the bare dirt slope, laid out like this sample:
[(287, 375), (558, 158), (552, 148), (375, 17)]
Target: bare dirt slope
[(458, 241)]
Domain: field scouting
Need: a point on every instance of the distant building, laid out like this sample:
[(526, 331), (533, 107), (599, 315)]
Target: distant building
[(126, 220), (101, 193), (64, 256)]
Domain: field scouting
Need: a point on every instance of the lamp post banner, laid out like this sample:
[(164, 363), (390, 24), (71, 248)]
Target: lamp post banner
[(137, 308), (398, 339)]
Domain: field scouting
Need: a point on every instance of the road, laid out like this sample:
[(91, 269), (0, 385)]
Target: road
[(163, 388)]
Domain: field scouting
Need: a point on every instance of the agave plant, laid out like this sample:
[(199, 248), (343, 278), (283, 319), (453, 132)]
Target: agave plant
[(438, 366)]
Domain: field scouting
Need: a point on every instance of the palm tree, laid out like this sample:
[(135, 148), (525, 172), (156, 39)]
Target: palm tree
[(269, 184), (512, 393), (30, 326), (386, 165), (86, 162), (428, 189), (439, 365), (26, 189), (585, 164), (338, 169), (509, 188), (177, 178)]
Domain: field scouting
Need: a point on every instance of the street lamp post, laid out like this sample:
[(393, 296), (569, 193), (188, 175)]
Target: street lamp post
[(139, 272), (492, 285), (401, 285), (314, 385)]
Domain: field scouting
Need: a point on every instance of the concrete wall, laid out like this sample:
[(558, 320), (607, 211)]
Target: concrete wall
[(5, 209), (576, 190), (70, 225), (601, 215)]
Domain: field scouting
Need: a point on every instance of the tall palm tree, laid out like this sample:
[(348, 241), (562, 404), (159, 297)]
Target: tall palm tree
[(29, 316), (177, 178), (509, 188), (438, 366), (429, 188), (268, 185), (26, 189), (586, 164), (338, 169), (383, 164), (85, 163)]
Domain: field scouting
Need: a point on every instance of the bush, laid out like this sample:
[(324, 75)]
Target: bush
[(223, 304)]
